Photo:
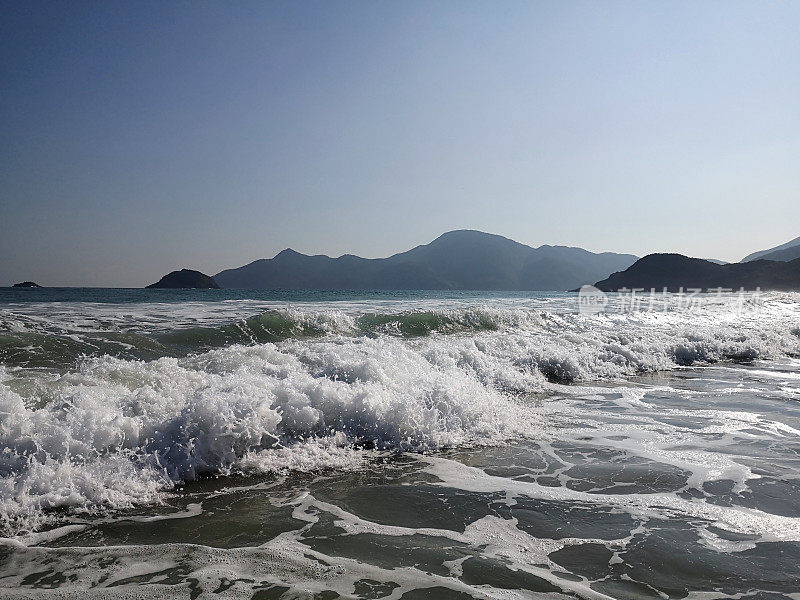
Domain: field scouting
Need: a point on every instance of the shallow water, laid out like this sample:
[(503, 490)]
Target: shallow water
[(411, 447)]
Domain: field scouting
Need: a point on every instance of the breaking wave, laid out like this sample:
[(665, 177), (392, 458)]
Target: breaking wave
[(100, 417), (28, 342)]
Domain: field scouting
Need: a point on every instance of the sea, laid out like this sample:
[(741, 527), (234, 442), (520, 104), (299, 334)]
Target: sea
[(398, 445)]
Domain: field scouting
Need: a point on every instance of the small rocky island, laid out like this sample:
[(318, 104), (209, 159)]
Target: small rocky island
[(26, 284), (186, 279)]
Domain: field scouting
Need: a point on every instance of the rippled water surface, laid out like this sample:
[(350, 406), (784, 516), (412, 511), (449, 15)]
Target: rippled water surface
[(397, 445)]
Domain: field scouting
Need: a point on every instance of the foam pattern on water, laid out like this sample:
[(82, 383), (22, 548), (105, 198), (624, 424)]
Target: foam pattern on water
[(104, 430)]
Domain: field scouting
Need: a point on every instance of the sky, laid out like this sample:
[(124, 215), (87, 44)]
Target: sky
[(143, 137)]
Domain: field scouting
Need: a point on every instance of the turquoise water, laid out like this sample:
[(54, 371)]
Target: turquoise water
[(235, 444)]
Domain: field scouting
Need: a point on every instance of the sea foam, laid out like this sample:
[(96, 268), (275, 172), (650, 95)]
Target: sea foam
[(104, 431)]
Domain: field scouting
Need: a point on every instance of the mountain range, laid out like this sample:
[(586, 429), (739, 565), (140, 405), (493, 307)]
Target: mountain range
[(461, 260), (473, 260)]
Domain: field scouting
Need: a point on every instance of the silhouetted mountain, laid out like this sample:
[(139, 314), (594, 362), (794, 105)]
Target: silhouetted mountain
[(186, 278), (26, 284), (675, 271), (784, 252), (463, 260)]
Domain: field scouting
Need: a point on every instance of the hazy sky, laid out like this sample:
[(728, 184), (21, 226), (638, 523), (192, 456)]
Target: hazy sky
[(140, 137)]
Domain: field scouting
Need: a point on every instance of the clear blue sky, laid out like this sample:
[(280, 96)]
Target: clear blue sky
[(140, 137)]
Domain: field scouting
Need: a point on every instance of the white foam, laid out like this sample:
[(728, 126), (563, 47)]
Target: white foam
[(113, 433), (768, 527), (286, 560), (107, 572)]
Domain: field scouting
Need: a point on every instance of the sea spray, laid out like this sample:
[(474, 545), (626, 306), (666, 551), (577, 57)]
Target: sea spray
[(109, 427)]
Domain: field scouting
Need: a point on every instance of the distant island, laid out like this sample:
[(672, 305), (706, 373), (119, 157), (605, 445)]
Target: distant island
[(676, 271), (186, 278), (457, 260), (26, 284)]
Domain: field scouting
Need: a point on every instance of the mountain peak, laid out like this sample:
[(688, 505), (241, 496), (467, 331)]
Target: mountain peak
[(469, 235), (288, 253)]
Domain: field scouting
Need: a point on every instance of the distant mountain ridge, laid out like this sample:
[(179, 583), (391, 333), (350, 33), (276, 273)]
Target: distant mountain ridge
[(676, 271), (785, 252), (462, 259)]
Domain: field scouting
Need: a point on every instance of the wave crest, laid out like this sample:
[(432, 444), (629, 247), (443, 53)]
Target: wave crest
[(315, 389)]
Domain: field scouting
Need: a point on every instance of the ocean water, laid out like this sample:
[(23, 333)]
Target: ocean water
[(240, 444)]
